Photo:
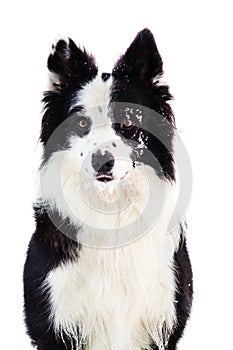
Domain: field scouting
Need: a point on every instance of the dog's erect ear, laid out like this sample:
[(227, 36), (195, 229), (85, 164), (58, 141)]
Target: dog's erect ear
[(69, 65), (141, 61)]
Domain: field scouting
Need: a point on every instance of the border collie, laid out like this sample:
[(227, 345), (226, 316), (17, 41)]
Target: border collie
[(105, 268)]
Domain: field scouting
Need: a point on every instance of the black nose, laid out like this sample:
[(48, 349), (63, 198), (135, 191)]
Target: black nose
[(102, 162)]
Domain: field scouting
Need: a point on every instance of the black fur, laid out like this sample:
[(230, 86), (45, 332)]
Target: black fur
[(47, 249), (132, 84), (73, 68)]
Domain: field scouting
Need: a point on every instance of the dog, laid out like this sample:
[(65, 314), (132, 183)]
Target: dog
[(103, 269)]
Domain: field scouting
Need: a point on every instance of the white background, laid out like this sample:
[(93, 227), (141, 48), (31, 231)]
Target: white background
[(195, 41)]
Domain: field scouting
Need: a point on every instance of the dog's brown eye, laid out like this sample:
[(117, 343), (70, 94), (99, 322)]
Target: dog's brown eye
[(82, 123), (127, 123)]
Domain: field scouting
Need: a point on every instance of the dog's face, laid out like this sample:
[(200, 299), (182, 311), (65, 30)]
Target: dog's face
[(102, 132)]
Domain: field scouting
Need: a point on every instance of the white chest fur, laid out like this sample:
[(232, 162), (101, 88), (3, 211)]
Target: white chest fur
[(119, 298)]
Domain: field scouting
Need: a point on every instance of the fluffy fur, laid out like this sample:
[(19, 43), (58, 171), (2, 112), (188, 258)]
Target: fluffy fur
[(102, 272)]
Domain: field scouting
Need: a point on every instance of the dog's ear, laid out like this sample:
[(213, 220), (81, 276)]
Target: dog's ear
[(141, 61), (69, 65)]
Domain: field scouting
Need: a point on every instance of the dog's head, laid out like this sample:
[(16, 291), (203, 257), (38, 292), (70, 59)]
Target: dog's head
[(104, 131)]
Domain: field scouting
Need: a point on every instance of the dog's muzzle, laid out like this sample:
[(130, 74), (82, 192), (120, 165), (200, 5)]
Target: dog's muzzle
[(103, 164)]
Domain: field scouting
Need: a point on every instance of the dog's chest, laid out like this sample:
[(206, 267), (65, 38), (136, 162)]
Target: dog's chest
[(120, 299)]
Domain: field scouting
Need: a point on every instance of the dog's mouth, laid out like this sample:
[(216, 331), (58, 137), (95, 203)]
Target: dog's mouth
[(108, 177), (104, 177)]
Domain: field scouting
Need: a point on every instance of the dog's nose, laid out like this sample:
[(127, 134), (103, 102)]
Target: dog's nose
[(102, 162)]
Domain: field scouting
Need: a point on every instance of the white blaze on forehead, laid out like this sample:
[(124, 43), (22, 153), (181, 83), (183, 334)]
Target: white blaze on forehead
[(94, 98)]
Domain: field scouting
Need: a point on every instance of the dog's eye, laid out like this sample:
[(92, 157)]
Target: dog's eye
[(82, 123), (127, 123)]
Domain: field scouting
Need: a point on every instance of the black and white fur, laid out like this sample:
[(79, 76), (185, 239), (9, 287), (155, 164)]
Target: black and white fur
[(133, 296)]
